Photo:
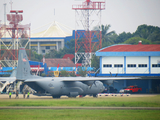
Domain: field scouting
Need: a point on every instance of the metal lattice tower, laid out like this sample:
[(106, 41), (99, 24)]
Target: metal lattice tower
[(12, 37), (88, 15)]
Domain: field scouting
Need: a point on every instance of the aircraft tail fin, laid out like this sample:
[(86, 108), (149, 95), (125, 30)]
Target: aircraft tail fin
[(23, 69)]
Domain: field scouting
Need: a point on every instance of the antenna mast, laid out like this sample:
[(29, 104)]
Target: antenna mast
[(87, 14)]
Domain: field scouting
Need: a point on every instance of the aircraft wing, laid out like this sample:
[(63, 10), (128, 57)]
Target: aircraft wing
[(71, 79), (83, 79), (86, 80)]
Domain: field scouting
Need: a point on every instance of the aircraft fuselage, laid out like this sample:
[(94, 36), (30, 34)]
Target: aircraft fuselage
[(57, 88)]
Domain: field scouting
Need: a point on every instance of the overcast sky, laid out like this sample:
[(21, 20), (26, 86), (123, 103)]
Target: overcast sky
[(122, 15)]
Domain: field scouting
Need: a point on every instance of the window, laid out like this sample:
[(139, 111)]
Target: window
[(155, 65), (142, 65), (43, 51), (107, 65), (131, 65), (118, 65), (47, 47)]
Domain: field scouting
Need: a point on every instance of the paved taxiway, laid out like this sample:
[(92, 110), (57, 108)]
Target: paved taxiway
[(6, 96)]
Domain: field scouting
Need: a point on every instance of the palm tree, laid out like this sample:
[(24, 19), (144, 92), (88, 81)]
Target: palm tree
[(106, 35)]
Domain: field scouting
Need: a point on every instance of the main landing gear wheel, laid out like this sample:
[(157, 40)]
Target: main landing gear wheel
[(56, 96), (95, 95)]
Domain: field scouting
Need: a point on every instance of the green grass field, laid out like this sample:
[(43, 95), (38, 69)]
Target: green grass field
[(151, 101), (78, 114), (82, 114)]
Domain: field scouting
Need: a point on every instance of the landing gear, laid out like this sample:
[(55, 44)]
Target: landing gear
[(56, 96), (95, 95)]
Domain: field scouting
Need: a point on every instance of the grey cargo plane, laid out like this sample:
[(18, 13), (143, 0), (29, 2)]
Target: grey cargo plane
[(58, 86)]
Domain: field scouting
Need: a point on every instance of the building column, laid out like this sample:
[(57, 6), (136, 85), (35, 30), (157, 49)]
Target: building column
[(62, 44), (101, 65), (124, 64), (149, 64), (38, 48), (57, 45)]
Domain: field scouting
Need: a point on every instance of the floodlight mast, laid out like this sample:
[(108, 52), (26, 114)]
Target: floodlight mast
[(20, 37), (87, 39), (14, 20)]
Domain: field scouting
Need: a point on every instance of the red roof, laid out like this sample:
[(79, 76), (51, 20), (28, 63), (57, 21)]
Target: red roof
[(131, 48), (70, 56), (62, 62)]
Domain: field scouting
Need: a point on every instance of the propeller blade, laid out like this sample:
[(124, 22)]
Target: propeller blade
[(111, 74), (92, 84), (95, 83), (116, 75)]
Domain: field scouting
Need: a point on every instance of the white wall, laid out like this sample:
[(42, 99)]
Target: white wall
[(112, 60), (130, 60), (155, 60), (137, 61)]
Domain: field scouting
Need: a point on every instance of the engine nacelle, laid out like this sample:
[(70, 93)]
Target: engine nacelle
[(108, 82), (89, 83), (73, 94)]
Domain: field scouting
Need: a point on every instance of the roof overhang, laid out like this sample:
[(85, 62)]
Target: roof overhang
[(128, 53)]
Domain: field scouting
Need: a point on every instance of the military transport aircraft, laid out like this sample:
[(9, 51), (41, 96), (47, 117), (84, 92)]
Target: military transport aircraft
[(58, 86)]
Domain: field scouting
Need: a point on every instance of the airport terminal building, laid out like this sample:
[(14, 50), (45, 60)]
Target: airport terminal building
[(132, 60), (53, 37)]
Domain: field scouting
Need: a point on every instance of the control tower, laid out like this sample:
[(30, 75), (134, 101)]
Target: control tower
[(88, 40)]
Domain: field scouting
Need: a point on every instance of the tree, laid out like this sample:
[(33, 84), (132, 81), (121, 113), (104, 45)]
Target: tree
[(51, 54), (135, 41), (151, 33), (64, 73), (50, 74), (106, 36), (123, 37), (73, 74), (82, 71), (34, 55), (95, 62), (68, 49)]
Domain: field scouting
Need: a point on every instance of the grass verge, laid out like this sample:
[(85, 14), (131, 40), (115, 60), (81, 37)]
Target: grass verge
[(153, 101), (65, 114)]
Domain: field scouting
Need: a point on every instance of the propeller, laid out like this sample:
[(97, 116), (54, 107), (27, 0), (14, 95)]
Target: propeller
[(96, 72), (94, 84), (115, 75), (110, 74)]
